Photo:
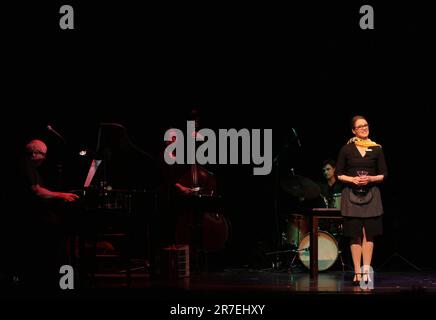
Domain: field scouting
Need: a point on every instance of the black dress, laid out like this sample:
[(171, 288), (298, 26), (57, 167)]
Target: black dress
[(361, 210)]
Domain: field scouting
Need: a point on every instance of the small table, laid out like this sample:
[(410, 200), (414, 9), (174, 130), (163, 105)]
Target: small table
[(314, 215)]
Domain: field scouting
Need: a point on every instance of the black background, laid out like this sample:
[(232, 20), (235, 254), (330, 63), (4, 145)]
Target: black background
[(308, 67)]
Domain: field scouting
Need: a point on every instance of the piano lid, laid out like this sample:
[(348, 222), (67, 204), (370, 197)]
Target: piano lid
[(118, 162)]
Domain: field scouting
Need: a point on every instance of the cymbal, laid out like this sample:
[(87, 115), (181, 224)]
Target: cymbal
[(301, 187)]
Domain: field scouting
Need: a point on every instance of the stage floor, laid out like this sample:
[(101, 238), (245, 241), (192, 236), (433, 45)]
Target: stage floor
[(251, 280), (279, 293)]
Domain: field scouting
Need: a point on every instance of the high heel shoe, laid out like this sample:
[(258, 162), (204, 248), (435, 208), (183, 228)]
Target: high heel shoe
[(367, 278), (356, 280)]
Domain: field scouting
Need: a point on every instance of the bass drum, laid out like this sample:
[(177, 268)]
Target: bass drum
[(208, 232), (327, 251)]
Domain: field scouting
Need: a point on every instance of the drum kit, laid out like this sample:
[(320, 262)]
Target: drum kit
[(296, 236)]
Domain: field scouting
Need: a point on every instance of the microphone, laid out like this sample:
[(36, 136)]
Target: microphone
[(296, 137), (50, 128)]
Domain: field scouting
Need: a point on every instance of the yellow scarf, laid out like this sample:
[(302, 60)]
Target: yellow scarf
[(363, 143)]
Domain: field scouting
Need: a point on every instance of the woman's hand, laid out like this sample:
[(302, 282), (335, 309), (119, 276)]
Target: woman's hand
[(355, 181), (360, 181), (364, 180)]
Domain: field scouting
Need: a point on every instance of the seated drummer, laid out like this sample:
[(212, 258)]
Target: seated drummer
[(331, 185)]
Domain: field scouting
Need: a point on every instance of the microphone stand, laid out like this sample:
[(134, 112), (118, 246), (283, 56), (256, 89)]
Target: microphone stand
[(59, 165), (60, 172), (277, 241), (278, 236), (396, 254)]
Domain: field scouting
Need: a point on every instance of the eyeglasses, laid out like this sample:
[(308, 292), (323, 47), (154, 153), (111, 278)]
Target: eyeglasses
[(39, 152), (363, 126)]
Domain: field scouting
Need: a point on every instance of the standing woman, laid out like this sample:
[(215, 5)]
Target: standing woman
[(361, 167)]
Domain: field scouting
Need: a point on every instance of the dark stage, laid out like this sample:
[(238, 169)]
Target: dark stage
[(113, 86)]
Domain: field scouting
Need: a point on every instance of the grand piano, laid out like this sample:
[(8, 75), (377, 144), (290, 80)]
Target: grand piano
[(118, 203)]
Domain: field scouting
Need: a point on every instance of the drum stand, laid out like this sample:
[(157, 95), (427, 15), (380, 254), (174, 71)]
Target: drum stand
[(284, 264), (292, 265), (296, 251), (340, 242), (276, 264), (343, 265)]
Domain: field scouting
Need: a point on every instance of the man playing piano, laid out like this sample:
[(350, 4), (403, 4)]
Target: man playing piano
[(36, 228)]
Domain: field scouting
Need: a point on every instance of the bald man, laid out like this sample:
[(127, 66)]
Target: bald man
[(37, 150)]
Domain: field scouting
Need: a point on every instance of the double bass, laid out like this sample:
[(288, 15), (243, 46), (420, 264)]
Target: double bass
[(202, 224)]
